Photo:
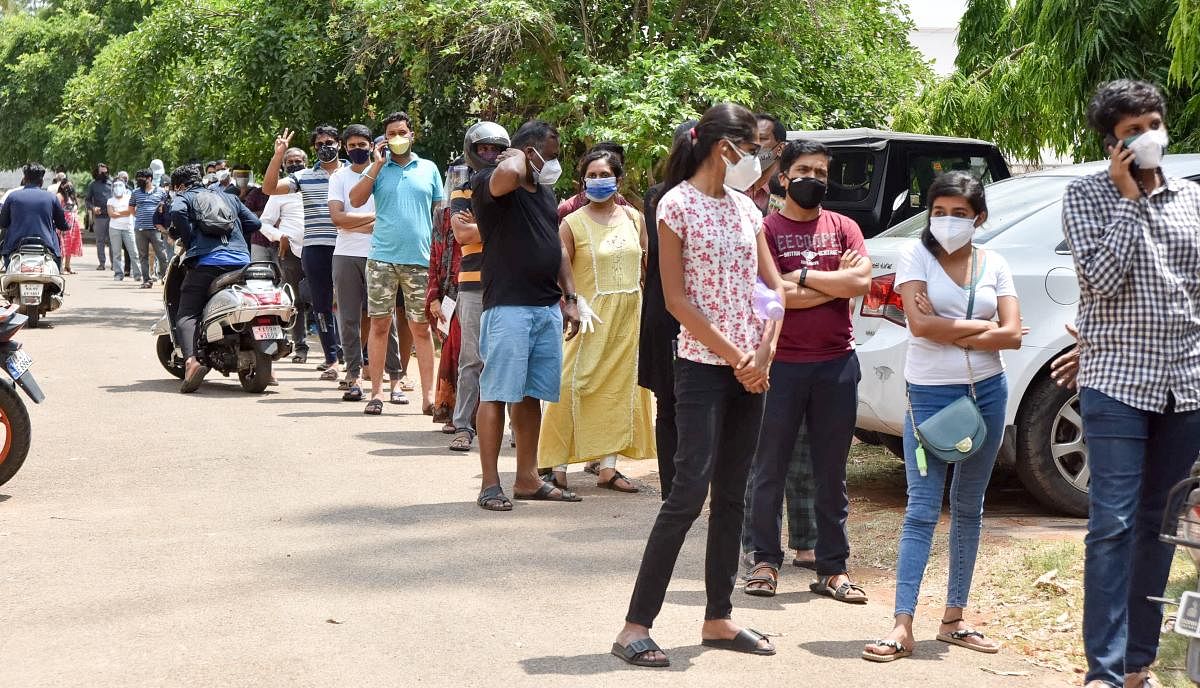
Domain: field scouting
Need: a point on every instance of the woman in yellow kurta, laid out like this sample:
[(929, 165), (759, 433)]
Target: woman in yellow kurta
[(602, 413)]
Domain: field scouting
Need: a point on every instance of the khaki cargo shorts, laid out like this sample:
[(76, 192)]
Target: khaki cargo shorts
[(389, 285)]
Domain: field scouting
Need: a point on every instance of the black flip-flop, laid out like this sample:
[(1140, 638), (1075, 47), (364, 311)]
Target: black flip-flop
[(611, 484), (633, 653), (374, 408), (355, 393), (493, 499), (547, 493), (745, 641)]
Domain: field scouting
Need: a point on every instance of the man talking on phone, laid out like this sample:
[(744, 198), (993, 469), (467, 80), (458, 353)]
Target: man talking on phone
[(1134, 233)]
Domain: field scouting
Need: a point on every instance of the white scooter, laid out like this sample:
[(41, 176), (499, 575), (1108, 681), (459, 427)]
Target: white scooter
[(33, 281), (243, 328)]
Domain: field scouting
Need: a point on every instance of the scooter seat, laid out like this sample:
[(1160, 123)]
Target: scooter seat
[(253, 271)]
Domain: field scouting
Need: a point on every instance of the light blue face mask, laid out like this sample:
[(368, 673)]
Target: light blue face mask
[(600, 189)]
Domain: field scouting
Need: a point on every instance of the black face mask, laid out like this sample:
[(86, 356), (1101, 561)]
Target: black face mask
[(808, 192), (327, 153), (103, 176), (294, 168), (359, 156)]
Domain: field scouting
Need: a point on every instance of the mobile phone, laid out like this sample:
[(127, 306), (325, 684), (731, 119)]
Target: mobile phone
[(1110, 142)]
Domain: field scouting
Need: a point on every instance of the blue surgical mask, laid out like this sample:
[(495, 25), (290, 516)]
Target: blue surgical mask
[(600, 189)]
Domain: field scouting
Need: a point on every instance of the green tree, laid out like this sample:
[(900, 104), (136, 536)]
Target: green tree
[(1026, 72), (194, 79)]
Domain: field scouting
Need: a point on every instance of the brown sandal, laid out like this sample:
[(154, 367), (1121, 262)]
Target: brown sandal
[(765, 579), (846, 592)]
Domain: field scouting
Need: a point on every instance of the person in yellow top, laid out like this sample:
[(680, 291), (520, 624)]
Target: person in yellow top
[(602, 413)]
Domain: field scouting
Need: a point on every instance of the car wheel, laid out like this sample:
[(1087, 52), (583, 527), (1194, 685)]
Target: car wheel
[(1051, 452)]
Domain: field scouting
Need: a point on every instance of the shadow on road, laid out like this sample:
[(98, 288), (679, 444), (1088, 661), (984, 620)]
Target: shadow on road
[(219, 387), (590, 665), (124, 318), (928, 650)]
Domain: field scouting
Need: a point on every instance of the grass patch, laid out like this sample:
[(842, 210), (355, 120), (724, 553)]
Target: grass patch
[(873, 467)]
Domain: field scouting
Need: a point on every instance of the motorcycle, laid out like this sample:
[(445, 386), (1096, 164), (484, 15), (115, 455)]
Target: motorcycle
[(1181, 527), (242, 330), (14, 418), (32, 280)]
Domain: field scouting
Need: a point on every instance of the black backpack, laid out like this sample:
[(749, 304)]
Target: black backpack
[(212, 214)]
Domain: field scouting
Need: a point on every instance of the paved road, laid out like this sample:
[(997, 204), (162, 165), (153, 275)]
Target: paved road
[(223, 539)]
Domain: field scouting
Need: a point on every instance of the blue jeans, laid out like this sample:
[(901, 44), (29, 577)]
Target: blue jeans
[(1135, 458), (966, 492)]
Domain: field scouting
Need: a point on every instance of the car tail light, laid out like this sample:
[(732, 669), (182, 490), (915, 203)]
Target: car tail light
[(883, 301)]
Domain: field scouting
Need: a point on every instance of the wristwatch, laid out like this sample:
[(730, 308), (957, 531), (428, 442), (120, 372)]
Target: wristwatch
[(803, 276), (571, 298)]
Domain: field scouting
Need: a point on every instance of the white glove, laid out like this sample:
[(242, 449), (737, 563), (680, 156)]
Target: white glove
[(586, 315)]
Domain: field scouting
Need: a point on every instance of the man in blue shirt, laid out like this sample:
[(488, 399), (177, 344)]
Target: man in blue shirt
[(207, 258), (406, 187), (32, 212), (145, 200)]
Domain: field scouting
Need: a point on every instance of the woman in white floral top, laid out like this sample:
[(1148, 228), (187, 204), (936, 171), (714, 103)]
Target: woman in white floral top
[(711, 249)]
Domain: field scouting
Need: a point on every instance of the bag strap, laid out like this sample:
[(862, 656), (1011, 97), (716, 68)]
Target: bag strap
[(970, 313)]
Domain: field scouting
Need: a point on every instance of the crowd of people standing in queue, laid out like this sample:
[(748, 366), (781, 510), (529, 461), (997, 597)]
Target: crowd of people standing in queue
[(670, 354)]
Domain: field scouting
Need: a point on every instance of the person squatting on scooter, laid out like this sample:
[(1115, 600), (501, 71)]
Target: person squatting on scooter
[(215, 245)]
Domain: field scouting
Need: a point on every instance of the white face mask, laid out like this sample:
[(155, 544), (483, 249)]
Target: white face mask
[(550, 172), (952, 232), (1149, 148), (741, 175)]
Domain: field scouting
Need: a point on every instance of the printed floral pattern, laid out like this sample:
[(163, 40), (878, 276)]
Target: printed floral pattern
[(720, 264)]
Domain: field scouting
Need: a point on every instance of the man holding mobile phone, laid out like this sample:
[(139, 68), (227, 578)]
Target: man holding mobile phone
[(1134, 233)]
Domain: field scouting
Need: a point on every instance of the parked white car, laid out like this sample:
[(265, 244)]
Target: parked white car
[(1043, 437)]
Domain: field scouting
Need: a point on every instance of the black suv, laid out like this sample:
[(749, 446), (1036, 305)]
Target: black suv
[(879, 178)]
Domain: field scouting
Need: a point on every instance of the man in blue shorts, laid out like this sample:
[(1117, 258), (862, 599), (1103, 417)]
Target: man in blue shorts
[(528, 293)]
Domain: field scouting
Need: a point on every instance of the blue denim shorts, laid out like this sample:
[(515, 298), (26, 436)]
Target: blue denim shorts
[(521, 348)]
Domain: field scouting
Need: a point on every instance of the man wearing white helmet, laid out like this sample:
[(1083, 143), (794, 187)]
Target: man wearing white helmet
[(485, 141)]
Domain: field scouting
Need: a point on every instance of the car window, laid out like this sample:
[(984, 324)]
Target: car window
[(1009, 201), (850, 176), (922, 169)]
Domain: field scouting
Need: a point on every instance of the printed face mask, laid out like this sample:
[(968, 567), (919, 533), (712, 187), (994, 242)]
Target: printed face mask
[(952, 232), (1148, 148), (808, 192), (359, 156), (741, 174), (400, 145), (294, 168), (600, 189), (327, 153)]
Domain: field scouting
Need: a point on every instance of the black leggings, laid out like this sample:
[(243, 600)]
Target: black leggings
[(718, 422), (667, 439)]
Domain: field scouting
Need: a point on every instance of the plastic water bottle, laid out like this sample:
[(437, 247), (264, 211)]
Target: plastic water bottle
[(767, 304)]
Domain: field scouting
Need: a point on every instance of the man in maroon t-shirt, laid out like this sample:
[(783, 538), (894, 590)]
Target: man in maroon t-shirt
[(814, 378)]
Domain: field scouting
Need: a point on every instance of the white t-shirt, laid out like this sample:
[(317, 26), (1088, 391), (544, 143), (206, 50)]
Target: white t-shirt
[(119, 205), (286, 210), (929, 362), (350, 243)]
